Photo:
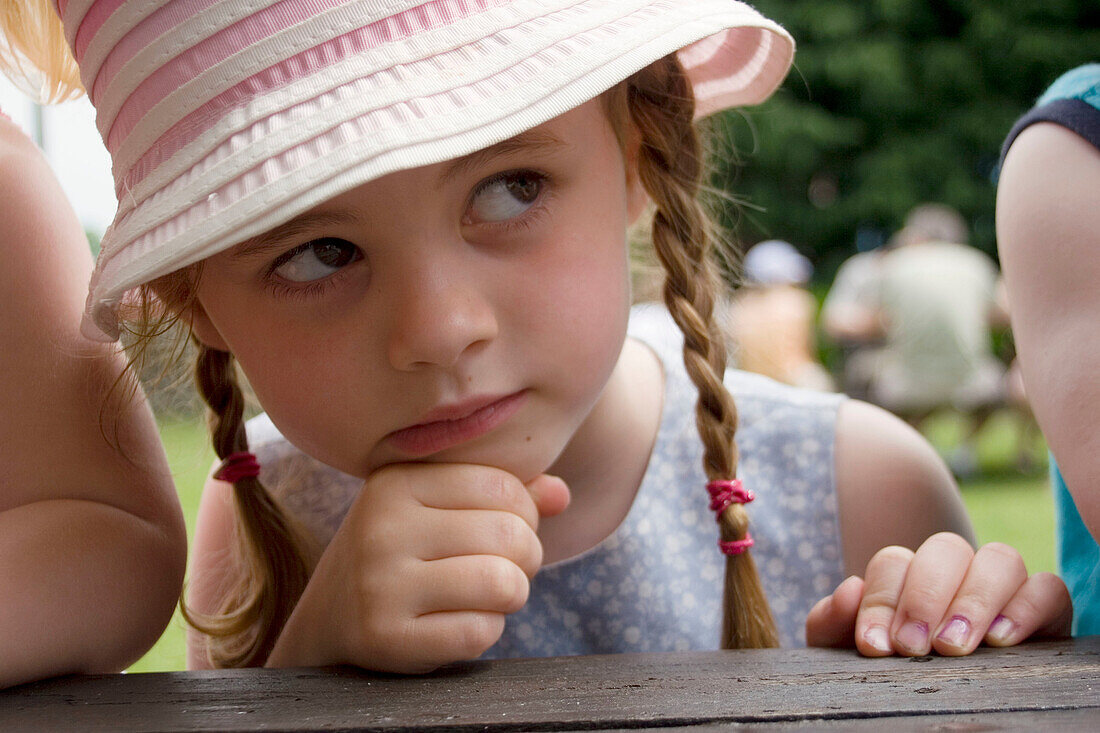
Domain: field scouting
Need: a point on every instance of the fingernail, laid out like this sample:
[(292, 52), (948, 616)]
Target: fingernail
[(957, 632), (878, 639), (1001, 629), (913, 637)]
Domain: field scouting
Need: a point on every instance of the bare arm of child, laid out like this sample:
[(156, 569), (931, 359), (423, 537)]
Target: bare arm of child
[(927, 588), (92, 542), (1048, 235), (422, 571)]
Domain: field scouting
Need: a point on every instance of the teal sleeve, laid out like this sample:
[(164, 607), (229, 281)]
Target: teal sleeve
[(1078, 558)]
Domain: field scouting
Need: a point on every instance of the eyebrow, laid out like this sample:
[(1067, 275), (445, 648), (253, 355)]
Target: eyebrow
[(297, 228), (260, 246), (530, 141)]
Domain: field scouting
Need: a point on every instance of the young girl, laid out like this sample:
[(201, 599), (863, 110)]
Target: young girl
[(406, 223), (92, 542)]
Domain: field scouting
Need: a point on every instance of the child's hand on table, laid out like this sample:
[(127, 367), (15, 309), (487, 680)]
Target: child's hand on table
[(945, 597)]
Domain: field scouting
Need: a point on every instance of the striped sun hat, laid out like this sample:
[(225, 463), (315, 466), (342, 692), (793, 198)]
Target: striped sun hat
[(225, 118)]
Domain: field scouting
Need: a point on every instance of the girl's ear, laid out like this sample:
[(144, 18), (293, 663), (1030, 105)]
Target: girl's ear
[(203, 328)]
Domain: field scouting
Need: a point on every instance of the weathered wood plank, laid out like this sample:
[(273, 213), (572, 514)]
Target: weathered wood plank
[(563, 693), (1061, 721)]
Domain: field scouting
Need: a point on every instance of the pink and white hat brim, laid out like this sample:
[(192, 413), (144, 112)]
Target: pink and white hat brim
[(225, 118)]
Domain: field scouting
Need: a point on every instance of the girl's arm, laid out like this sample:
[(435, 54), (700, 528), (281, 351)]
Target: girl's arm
[(92, 541), (1048, 234), (926, 588), (212, 569)]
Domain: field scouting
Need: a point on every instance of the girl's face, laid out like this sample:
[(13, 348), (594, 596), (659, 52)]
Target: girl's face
[(470, 311)]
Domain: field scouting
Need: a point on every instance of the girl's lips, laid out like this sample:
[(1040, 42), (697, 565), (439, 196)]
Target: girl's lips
[(475, 420)]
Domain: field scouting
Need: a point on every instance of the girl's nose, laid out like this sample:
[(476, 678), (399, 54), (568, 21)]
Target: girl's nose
[(438, 322)]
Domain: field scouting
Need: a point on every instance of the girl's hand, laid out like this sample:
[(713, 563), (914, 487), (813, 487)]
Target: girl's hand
[(945, 597), (423, 570)]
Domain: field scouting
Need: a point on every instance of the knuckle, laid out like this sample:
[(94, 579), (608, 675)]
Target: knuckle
[(1050, 585), (506, 586), (950, 541), (514, 538), (879, 598), (1025, 606), (1001, 550), (532, 561), (1009, 563), (1042, 592), (922, 600), (497, 488), (507, 533), (888, 557), (479, 633)]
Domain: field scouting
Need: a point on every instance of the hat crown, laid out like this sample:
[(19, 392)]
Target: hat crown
[(225, 118)]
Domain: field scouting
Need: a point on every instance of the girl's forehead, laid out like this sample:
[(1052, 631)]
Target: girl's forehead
[(580, 134)]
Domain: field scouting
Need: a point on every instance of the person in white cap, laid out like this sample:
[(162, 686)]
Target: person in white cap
[(406, 223), (92, 541), (772, 317)]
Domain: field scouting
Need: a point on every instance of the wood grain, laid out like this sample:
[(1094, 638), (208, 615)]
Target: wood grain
[(1039, 685)]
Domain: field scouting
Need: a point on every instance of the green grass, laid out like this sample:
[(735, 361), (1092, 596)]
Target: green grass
[(1016, 510), (1004, 504), (190, 456)]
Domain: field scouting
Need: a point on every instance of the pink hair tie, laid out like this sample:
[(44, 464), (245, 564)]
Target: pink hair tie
[(736, 547), (237, 466), (724, 492)]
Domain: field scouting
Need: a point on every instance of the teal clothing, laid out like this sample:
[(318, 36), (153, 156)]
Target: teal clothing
[(1078, 558), (1080, 83), (1073, 101)]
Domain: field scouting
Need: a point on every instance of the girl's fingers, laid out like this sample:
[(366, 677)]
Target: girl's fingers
[(1042, 606), (832, 620), (995, 575), (550, 494), (453, 533), (436, 639), (934, 577), (470, 583), (882, 588), (463, 486)]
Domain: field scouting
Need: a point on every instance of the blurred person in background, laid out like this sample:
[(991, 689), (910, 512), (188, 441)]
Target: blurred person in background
[(934, 302), (1048, 235), (772, 318), (850, 316)]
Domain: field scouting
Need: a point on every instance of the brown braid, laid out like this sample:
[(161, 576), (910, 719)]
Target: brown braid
[(660, 107), (276, 562)]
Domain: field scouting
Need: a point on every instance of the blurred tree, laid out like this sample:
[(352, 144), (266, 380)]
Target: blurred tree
[(891, 103)]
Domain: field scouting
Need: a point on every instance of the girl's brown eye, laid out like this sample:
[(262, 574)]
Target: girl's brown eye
[(505, 196), (316, 260)]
